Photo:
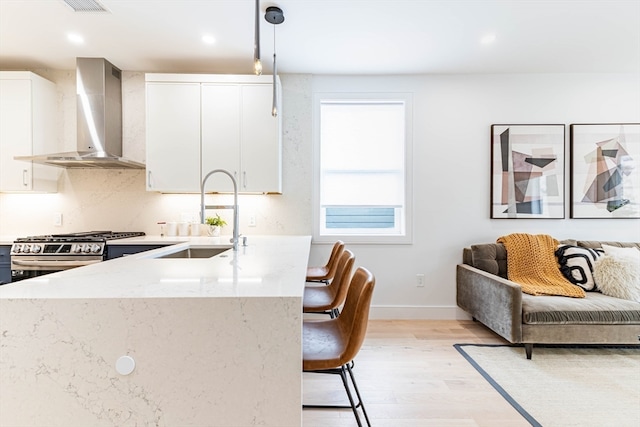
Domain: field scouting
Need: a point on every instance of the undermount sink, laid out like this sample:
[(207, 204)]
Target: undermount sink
[(196, 253)]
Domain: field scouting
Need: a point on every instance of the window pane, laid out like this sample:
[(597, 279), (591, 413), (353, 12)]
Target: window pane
[(362, 167), (358, 217), (362, 136), (353, 188)]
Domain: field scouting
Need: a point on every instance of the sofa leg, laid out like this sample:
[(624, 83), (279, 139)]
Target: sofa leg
[(528, 349)]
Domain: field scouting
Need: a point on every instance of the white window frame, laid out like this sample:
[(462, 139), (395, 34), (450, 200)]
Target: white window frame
[(376, 238)]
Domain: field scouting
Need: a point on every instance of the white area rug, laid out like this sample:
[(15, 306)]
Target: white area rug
[(569, 386)]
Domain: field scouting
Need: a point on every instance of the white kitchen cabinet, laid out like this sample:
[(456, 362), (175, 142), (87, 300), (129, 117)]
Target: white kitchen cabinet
[(236, 132), (260, 143), (173, 137), (221, 134), (27, 127), (239, 134)]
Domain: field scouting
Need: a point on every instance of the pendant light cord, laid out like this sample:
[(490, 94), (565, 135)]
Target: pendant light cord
[(257, 63), (274, 106)]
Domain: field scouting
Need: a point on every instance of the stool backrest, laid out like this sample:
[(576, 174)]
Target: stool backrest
[(355, 314), (332, 263), (340, 283)]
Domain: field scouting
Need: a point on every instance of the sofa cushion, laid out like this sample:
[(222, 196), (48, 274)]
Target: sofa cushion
[(595, 308), (576, 264), (597, 244), (490, 257)]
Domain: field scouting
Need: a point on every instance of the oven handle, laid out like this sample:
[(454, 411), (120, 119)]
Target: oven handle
[(53, 263)]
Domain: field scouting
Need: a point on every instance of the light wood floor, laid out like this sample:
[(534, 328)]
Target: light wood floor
[(410, 375)]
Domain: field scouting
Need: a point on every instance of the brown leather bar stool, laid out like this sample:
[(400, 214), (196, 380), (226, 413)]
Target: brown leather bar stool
[(328, 299), (329, 346), (325, 273)]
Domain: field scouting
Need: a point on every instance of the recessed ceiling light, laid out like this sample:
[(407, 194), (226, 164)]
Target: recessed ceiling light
[(208, 39), (75, 38), (488, 39)]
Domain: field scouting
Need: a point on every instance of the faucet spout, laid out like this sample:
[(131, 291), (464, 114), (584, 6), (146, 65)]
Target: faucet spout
[(235, 203)]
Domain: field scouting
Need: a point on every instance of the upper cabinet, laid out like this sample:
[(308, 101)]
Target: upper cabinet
[(173, 137), (199, 123), (27, 127)]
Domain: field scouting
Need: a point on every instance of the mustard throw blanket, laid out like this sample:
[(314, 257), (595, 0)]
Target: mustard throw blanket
[(531, 262)]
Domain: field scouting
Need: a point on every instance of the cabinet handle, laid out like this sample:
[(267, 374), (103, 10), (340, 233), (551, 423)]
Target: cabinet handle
[(149, 179), (244, 179), (24, 177)]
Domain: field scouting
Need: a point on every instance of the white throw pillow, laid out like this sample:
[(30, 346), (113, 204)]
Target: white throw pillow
[(618, 276), (622, 252)]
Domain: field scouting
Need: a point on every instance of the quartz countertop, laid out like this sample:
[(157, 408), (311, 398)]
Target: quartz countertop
[(7, 240), (215, 341), (172, 240), (141, 240), (269, 266)]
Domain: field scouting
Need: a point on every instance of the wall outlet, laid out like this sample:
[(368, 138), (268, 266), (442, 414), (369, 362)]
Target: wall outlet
[(57, 220), (420, 280), (252, 220)]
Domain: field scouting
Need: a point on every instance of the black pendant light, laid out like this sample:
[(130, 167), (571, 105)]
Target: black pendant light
[(274, 16)]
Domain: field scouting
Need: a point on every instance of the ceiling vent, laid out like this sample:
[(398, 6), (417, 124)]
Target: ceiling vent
[(85, 6)]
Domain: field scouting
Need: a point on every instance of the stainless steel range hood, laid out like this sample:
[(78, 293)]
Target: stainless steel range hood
[(99, 112)]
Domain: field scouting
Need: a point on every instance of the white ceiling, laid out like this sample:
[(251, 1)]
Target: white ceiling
[(330, 36)]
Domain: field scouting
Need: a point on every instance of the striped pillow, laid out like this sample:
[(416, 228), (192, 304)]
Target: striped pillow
[(576, 264)]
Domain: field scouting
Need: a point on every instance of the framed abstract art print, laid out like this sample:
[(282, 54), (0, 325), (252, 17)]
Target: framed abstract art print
[(605, 170), (527, 171)]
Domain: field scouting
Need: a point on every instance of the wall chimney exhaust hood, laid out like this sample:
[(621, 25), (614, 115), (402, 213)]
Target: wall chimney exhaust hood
[(99, 112)]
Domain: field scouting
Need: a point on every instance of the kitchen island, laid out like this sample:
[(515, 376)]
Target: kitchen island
[(211, 341)]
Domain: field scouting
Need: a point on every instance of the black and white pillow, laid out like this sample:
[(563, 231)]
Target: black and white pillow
[(576, 264)]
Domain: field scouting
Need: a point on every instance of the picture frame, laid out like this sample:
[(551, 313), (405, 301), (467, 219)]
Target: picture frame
[(527, 171), (605, 170)]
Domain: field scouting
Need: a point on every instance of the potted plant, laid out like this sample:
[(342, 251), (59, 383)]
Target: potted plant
[(214, 223)]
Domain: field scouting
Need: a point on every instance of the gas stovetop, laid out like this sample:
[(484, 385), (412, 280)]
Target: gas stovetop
[(73, 244), (88, 236)]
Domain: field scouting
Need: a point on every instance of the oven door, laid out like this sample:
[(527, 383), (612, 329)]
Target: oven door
[(26, 267)]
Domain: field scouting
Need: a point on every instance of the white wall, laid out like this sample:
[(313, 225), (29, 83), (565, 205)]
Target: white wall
[(451, 162)]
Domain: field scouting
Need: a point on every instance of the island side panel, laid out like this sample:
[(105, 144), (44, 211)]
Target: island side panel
[(199, 361)]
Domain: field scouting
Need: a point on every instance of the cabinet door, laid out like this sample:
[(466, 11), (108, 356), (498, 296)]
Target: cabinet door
[(117, 251), (221, 134), (27, 127), (261, 156), (173, 137), (15, 134), (5, 264)]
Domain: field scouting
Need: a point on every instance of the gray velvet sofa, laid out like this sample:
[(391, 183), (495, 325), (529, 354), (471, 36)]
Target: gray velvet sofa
[(484, 291)]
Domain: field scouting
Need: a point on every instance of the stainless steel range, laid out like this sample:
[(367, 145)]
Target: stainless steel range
[(37, 255)]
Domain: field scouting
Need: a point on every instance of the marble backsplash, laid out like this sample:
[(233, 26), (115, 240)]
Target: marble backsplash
[(117, 199)]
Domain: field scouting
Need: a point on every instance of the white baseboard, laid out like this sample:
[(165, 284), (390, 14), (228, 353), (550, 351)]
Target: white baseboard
[(389, 312)]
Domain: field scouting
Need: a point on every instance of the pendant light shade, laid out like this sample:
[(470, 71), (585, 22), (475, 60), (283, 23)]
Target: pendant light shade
[(257, 64), (274, 16)]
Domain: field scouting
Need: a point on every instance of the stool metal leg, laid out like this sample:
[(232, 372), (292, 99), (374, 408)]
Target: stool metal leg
[(342, 371), (355, 386)]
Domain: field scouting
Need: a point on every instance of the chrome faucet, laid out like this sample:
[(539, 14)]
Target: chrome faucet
[(235, 238)]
